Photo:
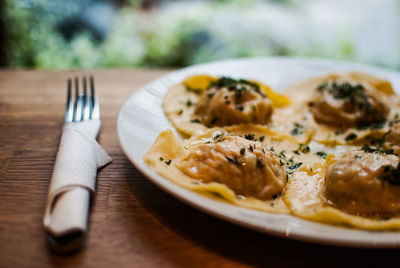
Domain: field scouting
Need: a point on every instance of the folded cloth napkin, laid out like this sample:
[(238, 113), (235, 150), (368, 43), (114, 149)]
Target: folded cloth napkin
[(74, 178)]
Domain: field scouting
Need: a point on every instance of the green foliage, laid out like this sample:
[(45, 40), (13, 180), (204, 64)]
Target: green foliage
[(173, 35)]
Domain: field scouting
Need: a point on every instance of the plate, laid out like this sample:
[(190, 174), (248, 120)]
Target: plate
[(141, 119)]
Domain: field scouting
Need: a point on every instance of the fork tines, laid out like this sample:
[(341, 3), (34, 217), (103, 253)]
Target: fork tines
[(83, 106)]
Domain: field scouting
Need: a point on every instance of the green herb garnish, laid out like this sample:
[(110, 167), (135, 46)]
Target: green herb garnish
[(233, 160), (259, 163), (250, 137), (295, 166), (321, 154), (238, 86), (350, 137), (391, 174), (239, 108), (189, 103)]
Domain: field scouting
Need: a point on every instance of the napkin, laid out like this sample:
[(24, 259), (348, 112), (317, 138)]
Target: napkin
[(74, 178)]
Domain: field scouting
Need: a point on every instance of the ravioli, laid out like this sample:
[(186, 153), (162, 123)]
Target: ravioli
[(173, 159), (201, 102), (355, 196), (327, 154), (354, 116), (345, 108)]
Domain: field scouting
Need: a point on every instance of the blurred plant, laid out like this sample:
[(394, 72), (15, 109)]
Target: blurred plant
[(180, 33)]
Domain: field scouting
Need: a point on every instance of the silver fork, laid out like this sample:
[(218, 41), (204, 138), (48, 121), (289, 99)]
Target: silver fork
[(74, 176), (84, 107)]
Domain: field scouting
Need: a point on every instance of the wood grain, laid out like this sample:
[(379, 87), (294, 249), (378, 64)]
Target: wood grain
[(132, 222)]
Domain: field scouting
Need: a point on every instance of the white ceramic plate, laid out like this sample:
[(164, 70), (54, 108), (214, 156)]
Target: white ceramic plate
[(141, 119)]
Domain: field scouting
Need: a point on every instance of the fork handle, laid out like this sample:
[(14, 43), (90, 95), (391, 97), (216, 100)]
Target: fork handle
[(73, 181)]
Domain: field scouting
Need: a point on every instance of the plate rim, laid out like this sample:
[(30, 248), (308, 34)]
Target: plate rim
[(168, 186)]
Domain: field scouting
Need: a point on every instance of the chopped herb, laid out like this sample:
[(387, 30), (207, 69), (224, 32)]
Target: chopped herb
[(238, 92), (389, 151), (391, 174), (306, 149), (189, 103), (272, 204), (296, 152), (261, 138), (282, 154), (168, 162), (368, 149), (298, 130), (242, 150), (210, 94), (233, 160), (378, 150), (161, 159), (219, 137), (281, 162), (195, 120), (238, 86), (295, 166), (250, 137), (239, 108), (250, 148), (272, 149), (395, 120), (321, 154), (356, 97), (357, 156), (259, 163), (229, 159), (322, 86), (371, 125), (180, 112), (350, 137)]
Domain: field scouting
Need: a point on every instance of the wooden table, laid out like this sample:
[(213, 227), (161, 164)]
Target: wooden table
[(132, 222)]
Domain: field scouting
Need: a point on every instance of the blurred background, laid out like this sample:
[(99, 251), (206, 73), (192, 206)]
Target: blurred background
[(65, 34)]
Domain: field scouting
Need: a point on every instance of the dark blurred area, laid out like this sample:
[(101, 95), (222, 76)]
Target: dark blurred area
[(61, 34), (3, 43)]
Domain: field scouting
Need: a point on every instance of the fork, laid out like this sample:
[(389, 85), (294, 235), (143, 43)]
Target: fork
[(84, 107), (74, 176)]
